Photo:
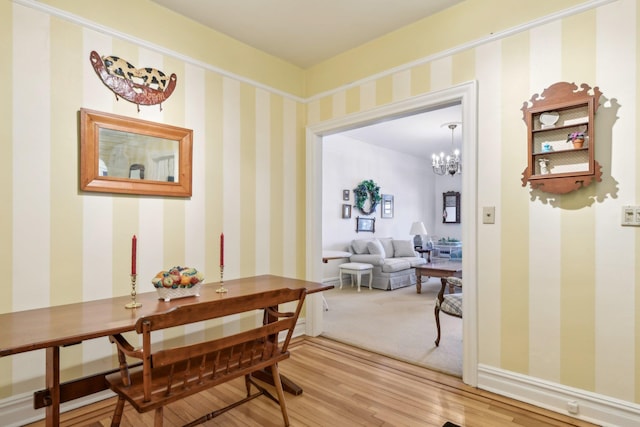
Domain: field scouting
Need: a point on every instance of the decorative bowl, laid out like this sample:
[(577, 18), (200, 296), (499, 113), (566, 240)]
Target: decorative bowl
[(178, 282)]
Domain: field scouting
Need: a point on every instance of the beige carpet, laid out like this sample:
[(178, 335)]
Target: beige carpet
[(397, 323)]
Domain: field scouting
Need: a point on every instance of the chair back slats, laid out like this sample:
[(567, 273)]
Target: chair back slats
[(183, 370), (251, 337)]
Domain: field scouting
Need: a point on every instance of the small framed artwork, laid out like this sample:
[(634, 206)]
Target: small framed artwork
[(346, 195), (366, 225), (387, 206), (346, 211)]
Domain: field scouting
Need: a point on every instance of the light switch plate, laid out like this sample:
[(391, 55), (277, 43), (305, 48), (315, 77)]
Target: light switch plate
[(489, 215), (630, 215)]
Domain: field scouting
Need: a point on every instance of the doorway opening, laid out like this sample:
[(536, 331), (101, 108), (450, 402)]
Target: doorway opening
[(466, 95)]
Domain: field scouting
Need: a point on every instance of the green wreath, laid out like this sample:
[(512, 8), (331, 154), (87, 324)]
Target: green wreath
[(367, 189)]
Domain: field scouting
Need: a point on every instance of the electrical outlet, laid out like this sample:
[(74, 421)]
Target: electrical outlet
[(573, 407)]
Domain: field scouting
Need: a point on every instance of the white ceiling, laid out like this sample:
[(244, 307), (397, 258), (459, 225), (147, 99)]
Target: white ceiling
[(419, 135), (306, 32)]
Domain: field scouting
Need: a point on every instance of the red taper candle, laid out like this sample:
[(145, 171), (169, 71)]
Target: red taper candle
[(221, 248), (134, 243)]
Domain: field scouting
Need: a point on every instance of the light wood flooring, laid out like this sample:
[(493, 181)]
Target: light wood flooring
[(344, 386)]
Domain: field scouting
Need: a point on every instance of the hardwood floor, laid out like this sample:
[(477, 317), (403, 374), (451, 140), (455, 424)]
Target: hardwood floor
[(344, 386)]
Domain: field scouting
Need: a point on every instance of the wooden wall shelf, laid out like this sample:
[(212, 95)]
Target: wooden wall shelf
[(553, 165)]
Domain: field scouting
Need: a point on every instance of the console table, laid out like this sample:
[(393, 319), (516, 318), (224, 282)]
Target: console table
[(329, 255), (50, 328)]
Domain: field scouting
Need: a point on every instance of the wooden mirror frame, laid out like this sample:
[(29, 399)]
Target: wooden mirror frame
[(90, 179)]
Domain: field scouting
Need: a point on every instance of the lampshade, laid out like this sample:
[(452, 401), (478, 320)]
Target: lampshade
[(417, 228)]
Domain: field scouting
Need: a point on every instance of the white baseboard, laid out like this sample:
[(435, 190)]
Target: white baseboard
[(18, 410), (591, 407), (300, 328)]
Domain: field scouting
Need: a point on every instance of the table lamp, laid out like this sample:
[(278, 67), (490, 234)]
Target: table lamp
[(417, 229)]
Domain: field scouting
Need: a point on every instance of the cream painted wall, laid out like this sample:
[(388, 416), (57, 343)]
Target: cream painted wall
[(64, 246), (467, 21), (546, 293), (557, 277), (149, 23)]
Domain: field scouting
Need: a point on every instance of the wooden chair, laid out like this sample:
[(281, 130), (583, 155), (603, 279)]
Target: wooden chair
[(451, 303), (174, 373)]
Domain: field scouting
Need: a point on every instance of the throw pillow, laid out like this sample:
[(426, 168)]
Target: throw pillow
[(403, 248), (375, 248), (360, 246), (387, 244)]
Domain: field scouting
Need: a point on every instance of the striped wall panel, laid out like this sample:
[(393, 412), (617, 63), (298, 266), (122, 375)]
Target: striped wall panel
[(549, 303), (557, 276), (77, 246)]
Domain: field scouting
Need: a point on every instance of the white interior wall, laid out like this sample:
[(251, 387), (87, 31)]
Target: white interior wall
[(443, 184), (346, 163)]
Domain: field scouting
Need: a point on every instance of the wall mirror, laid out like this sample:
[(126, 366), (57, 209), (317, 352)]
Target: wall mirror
[(131, 156), (387, 206), (451, 207)]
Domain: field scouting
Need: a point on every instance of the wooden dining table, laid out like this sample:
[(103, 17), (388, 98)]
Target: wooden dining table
[(50, 328)]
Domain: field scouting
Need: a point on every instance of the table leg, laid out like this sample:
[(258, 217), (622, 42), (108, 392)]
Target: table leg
[(418, 282), (53, 385)]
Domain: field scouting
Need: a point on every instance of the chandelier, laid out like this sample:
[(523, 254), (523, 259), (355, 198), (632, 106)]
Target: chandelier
[(447, 165)]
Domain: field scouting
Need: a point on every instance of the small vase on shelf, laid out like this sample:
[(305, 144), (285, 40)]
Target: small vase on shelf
[(576, 138), (544, 166)]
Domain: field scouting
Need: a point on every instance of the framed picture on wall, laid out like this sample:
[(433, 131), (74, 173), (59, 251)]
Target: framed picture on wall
[(345, 195), (366, 225), (387, 206), (346, 211)]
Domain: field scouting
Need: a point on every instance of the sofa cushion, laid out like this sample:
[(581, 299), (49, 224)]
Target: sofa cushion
[(415, 261), (387, 244), (375, 247), (391, 265), (403, 248), (360, 246), (367, 258)]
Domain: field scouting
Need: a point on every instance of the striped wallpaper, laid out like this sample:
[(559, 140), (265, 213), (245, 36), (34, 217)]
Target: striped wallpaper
[(70, 246), (557, 279), (558, 288)]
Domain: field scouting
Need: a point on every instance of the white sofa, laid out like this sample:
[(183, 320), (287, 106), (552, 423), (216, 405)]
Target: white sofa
[(393, 261)]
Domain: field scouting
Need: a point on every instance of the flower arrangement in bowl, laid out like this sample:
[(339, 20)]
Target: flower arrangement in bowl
[(576, 138), (178, 282)]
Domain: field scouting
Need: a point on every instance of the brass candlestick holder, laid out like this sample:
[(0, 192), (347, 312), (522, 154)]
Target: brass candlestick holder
[(133, 303), (221, 289)]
